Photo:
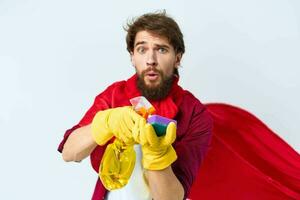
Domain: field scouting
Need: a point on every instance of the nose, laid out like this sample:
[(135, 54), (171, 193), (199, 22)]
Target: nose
[(151, 59)]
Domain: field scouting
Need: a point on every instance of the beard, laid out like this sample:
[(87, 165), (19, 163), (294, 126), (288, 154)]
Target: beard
[(157, 92)]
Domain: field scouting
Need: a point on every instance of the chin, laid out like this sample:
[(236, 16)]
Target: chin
[(152, 85)]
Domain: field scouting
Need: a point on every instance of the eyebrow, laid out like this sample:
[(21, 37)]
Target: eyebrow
[(158, 45), (163, 45), (138, 43)]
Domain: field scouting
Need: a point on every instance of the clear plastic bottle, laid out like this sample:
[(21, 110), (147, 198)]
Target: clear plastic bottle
[(118, 161)]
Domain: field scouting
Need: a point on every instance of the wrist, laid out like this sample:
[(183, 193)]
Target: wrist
[(158, 161)]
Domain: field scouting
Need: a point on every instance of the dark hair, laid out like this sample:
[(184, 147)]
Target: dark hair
[(158, 23)]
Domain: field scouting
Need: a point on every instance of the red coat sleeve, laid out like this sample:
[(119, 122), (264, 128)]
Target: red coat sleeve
[(193, 144)]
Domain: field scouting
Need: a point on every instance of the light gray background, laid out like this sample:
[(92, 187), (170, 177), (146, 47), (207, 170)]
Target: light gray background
[(56, 56)]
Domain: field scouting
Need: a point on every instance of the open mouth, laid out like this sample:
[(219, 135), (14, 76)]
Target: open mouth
[(152, 76)]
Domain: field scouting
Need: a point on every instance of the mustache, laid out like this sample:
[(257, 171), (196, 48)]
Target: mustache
[(152, 69)]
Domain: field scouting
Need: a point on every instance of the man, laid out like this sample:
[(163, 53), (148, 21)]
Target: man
[(156, 46)]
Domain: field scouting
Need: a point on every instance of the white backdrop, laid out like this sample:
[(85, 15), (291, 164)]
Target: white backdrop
[(56, 56)]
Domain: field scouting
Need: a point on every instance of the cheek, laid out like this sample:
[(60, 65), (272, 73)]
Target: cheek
[(139, 60), (139, 65), (167, 66)]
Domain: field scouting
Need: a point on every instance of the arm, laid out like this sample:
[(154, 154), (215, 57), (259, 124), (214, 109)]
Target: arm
[(79, 145), (158, 155), (192, 148), (106, 123), (164, 184)]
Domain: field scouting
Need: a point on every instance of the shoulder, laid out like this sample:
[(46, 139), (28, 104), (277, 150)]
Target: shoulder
[(110, 90), (195, 111), (192, 102), (114, 86)]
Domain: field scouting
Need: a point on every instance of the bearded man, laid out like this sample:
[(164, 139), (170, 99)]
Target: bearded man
[(155, 44)]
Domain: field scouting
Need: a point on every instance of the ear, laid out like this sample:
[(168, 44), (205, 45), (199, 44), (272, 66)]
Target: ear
[(177, 60), (132, 59)]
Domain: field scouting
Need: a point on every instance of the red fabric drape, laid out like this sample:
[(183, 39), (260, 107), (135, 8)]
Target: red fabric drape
[(246, 160)]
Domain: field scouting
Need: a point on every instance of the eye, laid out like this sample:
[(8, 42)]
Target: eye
[(162, 50), (141, 50)]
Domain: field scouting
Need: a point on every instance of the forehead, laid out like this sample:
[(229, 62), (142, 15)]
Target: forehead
[(150, 37)]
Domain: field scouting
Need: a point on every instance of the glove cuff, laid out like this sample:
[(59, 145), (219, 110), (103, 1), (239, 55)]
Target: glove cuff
[(100, 131), (161, 162)]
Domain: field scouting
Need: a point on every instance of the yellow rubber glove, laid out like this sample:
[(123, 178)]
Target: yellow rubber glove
[(118, 160), (158, 152), (116, 121)]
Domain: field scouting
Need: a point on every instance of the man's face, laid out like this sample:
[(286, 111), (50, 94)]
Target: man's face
[(154, 59)]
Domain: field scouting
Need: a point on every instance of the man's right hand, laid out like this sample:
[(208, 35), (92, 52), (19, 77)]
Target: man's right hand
[(117, 122)]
